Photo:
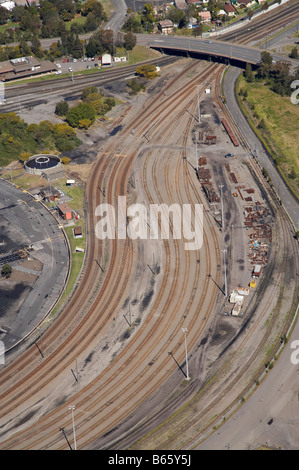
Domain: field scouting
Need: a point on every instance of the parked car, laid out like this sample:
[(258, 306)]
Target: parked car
[(88, 67), (58, 65), (57, 72), (96, 65), (228, 155), (70, 69)]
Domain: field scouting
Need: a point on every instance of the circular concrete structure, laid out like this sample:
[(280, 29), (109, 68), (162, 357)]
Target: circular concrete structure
[(38, 164)]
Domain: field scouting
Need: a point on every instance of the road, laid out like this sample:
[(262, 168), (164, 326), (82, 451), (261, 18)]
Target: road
[(118, 16), (235, 53)]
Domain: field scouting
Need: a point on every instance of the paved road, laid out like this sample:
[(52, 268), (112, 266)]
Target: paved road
[(118, 16), (39, 226), (210, 48)]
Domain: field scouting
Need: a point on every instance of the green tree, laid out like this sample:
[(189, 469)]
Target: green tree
[(129, 41), (249, 73), (79, 112), (133, 24), (6, 271), (62, 108), (87, 91), (135, 86), (148, 14), (294, 53), (197, 31)]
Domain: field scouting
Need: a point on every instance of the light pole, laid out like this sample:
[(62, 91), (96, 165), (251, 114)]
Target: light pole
[(198, 104), (222, 215), (185, 331), (73, 420), (225, 283)]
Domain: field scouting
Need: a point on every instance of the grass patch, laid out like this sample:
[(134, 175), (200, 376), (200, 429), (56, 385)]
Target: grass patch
[(77, 258), (280, 130), (79, 19)]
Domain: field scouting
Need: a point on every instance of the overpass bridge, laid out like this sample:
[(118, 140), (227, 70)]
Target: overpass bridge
[(210, 49)]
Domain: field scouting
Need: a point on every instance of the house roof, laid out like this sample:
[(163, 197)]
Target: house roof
[(166, 23), (229, 8), (64, 208), (205, 14)]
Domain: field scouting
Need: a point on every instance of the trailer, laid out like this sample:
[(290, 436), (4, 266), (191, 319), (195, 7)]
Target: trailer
[(257, 270)]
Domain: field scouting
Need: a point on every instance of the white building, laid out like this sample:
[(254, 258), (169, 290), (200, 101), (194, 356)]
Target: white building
[(106, 60), (8, 5)]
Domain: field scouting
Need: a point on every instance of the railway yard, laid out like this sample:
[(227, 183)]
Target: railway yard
[(116, 353)]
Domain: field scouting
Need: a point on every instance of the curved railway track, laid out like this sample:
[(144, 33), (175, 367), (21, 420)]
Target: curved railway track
[(59, 365), (89, 320)]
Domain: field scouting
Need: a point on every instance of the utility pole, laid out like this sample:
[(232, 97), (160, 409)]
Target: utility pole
[(187, 368)]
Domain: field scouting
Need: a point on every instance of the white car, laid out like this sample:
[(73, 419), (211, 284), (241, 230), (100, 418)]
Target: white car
[(70, 69), (58, 65), (57, 72)]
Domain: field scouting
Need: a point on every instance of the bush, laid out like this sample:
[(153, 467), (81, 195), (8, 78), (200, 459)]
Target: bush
[(135, 86), (6, 271), (62, 108), (148, 71)]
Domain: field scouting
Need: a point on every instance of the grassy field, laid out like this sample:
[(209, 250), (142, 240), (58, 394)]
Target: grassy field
[(279, 132)]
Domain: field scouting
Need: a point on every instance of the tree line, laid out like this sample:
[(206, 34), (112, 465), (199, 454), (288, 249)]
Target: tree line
[(19, 140), (69, 44), (50, 19)]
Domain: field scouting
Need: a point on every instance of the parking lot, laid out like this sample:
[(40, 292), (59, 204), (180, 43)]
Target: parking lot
[(76, 65)]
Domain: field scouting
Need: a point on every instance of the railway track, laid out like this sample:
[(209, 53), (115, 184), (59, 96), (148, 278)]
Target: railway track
[(57, 364), (191, 424), (67, 88), (262, 26), (60, 354)]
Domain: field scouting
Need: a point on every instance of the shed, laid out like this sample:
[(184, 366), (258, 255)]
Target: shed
[(65, 211), (106, 60), (78, 232)]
